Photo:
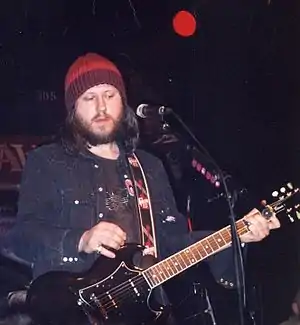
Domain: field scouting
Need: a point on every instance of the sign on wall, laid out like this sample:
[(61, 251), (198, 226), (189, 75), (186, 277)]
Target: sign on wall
[(12, 158)]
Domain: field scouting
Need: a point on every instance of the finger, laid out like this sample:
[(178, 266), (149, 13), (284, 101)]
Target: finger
[(274, 223), (259, 232), (113, 237), (258, 225), (116, 237), (256, 218), (249, 237), (105, 252), (271, 223), (106, 241), (104, 232), (114, 229), (111, 243), (255, 232)]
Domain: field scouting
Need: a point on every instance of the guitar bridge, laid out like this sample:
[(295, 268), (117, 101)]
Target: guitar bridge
[(97, 302)]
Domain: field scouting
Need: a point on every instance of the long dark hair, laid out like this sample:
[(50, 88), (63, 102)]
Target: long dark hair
[(127, 136)]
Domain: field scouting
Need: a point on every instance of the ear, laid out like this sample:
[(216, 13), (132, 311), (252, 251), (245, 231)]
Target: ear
[(295, 308)]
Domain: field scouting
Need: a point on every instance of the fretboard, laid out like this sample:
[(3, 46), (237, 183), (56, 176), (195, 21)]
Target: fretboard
[(184, 259)]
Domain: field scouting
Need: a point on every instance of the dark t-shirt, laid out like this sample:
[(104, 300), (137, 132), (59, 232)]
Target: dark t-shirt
[(120, 201)]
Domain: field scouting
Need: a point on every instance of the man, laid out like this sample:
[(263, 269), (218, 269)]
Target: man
[(78, 197)]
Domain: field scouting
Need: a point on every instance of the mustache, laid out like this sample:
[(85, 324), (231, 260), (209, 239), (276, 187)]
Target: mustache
[(101, 116)]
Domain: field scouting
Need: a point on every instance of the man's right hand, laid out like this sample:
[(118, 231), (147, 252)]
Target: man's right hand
[(101, 238)]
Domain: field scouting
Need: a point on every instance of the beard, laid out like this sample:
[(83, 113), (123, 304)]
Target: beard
[(101, 135)]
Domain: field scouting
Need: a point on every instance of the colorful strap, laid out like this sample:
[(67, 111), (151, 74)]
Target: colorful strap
[(144, 205)]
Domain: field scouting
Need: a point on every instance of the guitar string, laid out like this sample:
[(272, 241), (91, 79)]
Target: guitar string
[(121, 291), (124, 290)]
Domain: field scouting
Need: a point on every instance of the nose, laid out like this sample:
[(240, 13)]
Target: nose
[(101, 104)]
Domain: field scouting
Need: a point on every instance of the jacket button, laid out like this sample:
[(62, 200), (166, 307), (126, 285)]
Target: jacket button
[(100, 189)]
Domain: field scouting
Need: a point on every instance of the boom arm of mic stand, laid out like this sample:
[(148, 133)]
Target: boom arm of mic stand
[(236, 245)]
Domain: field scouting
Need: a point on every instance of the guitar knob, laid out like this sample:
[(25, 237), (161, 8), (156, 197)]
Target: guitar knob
[(267, 212), (79, 302)]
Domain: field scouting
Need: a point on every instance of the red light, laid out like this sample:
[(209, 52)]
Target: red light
[(208, 175), (184, 23), (198, 167)]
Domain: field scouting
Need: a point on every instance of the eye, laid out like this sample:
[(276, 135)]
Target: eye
[(88, 97), (109, 94)]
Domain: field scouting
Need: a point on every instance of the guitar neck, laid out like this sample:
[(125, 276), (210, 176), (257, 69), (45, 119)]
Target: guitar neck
[(186, 258)]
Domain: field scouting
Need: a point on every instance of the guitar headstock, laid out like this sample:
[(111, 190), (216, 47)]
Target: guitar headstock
[(285, 201)]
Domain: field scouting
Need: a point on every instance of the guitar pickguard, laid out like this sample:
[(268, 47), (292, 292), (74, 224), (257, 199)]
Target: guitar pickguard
[(124, 294)]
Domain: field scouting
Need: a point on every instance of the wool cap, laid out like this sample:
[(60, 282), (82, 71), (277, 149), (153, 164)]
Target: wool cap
[(88, 71)]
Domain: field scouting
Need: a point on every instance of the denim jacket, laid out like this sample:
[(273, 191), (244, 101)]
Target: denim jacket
[(61, 196)]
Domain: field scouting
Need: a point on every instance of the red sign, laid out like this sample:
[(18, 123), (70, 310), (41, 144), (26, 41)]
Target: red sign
[(12, 158)]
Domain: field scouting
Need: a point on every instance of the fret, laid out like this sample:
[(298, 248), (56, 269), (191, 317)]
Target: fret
[(168, 268), (161, 271), (226, 235), (240, 224), (196, 252), (206, 246), (181, 257), (194, 258), (172, 262), (152, 277), (187, 253), (219, 239), (176, 264), (222, 236), (213, 243), (202, 250), (156, 273), (189, 256), (164, 268), (149, 277), (241, 227)]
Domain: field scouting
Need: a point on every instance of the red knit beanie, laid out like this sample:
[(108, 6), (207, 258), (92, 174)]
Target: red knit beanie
[(88, 71)]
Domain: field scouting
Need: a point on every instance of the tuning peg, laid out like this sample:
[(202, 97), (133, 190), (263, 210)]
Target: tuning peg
[(263, 202)]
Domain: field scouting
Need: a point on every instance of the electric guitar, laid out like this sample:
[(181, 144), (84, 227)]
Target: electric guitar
[(115, 291)]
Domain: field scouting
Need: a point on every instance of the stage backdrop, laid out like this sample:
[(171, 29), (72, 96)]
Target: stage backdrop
[(13, 151)]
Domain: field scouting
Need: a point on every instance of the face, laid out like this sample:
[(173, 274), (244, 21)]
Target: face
[(99, 114)]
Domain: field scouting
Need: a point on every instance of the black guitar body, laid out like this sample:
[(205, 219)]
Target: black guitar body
[(113, 291)]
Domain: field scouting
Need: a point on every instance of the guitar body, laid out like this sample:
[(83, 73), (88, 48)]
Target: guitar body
[(113, 291)]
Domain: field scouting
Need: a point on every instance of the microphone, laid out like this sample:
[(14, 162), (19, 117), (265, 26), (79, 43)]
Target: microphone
[(146, 110)]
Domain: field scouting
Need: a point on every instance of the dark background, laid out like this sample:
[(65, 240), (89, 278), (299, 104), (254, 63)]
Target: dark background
[(235, 82)]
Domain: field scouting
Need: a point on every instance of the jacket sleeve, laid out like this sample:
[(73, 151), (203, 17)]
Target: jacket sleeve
[(177, 236), (38, 235)]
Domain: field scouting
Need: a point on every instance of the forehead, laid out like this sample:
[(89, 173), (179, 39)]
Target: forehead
[(101, 88)]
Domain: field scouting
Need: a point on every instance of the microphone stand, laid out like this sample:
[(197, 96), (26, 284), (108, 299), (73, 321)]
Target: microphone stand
[(236, 244)]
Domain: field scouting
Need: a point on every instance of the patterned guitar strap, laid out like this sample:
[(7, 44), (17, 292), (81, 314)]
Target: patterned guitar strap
[(144, 206)]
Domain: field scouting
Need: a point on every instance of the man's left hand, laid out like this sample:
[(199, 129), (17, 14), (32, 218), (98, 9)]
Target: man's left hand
[(259, 226)]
